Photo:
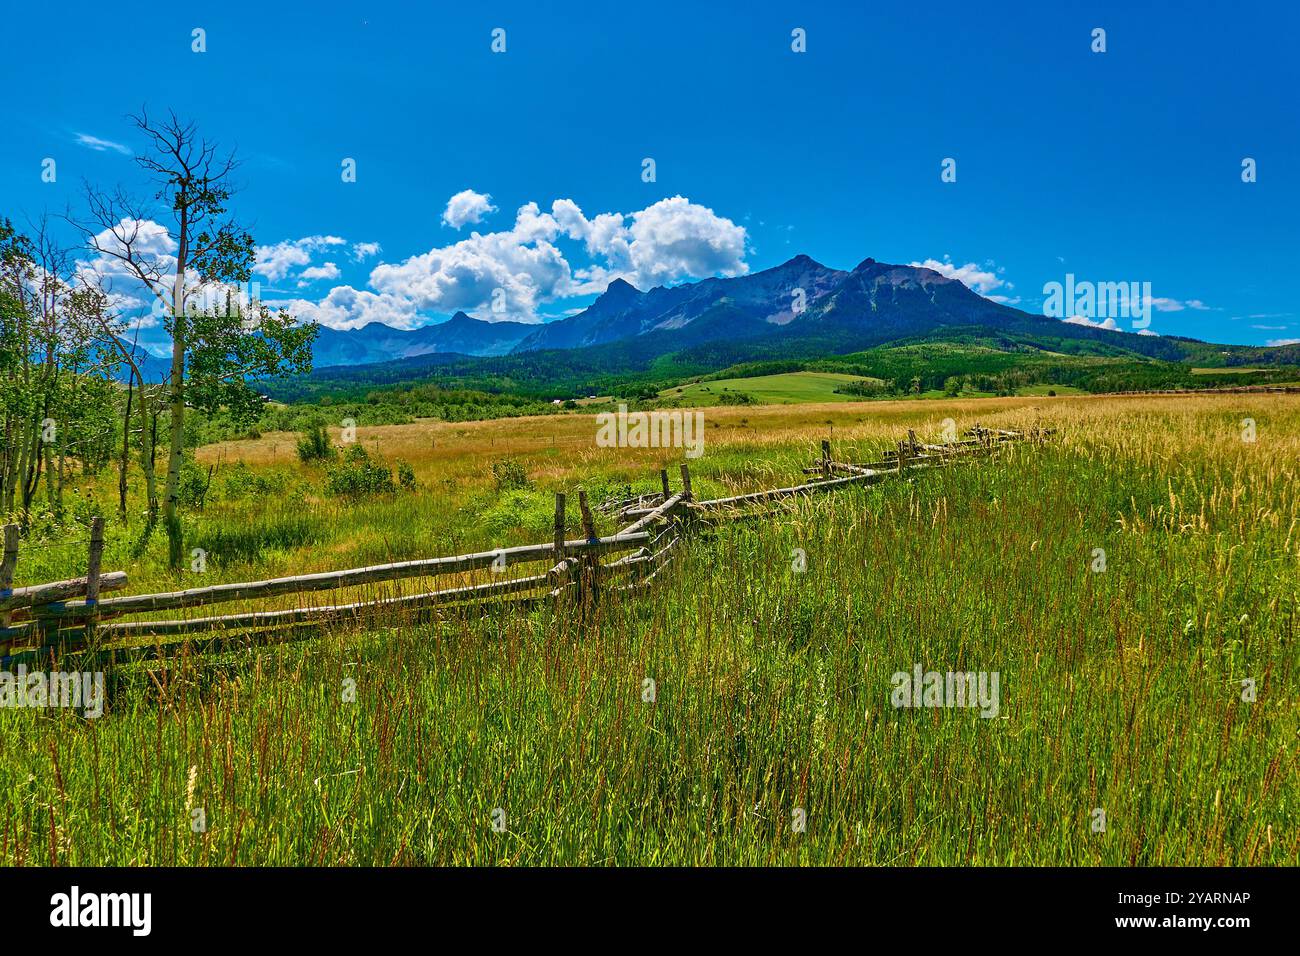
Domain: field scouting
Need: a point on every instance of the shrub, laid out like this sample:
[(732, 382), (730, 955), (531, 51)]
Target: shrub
[(193, 484), (510, 475), (242, 482), (314, 444), (406, 476), (359, 475)]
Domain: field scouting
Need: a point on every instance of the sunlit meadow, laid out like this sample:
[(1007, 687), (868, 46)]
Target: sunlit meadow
[(736, 711)]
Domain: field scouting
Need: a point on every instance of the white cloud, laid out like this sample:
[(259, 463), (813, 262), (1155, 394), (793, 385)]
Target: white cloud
[(1163, 304), (1148, 332), (522, 262), (1283, 342), (101, 145), (670, 240), (314, 273), (980, 279), (467, 207), (361, 251), (348, 308), (151, 243), (1092, 323), (675, 239), (277, 261)]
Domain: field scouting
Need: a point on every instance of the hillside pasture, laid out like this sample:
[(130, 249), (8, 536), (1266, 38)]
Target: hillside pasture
[(534, 738)]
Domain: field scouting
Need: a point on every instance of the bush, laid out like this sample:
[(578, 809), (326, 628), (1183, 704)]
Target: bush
[(406, 476), (358, 475), (242, 482), (314, 445), (193, 484), (510, 475)]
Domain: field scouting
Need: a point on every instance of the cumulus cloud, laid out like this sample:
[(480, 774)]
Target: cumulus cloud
[(981, 279), (467, 207), (1284, 341), (522, 262), (522, 267), (348, 308), (315, 273), (150, 242), (1092, 323), (361, 251), (675, 239), (277, 261)]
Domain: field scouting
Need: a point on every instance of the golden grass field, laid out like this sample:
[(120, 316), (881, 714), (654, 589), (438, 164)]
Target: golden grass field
[(1123, 691)]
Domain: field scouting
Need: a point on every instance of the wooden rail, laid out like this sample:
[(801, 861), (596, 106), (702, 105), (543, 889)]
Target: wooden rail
[(69, 615)]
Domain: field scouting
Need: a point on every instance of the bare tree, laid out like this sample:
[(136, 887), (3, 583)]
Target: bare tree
[(203, 247)]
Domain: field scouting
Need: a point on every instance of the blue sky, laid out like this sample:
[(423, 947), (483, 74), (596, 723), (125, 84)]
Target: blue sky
[(1117, 166)]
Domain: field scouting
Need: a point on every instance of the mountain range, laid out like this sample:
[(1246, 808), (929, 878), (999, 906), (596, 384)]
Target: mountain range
[(798, 302), (376, 342), (896, 322)]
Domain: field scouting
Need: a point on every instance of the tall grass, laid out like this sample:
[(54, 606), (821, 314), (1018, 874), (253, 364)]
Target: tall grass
[(1121, 690)]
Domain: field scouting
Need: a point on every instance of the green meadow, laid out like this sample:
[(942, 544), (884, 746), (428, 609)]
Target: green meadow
[(1134, 583)]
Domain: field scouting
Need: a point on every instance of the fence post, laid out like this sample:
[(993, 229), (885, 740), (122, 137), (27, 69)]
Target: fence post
[(826, 458), (93, 562), (663, 480), (911, 440), (559, 527), (686, 482), (7, 570), (588, 522)]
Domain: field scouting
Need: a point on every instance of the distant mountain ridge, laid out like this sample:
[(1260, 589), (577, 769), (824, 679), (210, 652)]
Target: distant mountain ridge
[(799, 301), (799, 308), (766, 299), (377, 342), (803, 301)]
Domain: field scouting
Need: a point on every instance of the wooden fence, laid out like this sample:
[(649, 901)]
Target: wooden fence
[(71, 616), (1224, 390)]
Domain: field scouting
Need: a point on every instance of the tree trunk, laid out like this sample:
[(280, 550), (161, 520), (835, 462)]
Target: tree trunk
[(176, 439), (149, 457), (126, 448), (176, 405)]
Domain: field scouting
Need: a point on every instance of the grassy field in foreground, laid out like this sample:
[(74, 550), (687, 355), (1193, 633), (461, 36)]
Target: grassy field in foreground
[(1121, 690)]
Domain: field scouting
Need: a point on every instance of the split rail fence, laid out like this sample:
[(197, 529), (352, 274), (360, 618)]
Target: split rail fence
[(73, 616)]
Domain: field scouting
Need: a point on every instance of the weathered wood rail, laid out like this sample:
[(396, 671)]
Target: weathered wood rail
[(70, 616)]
